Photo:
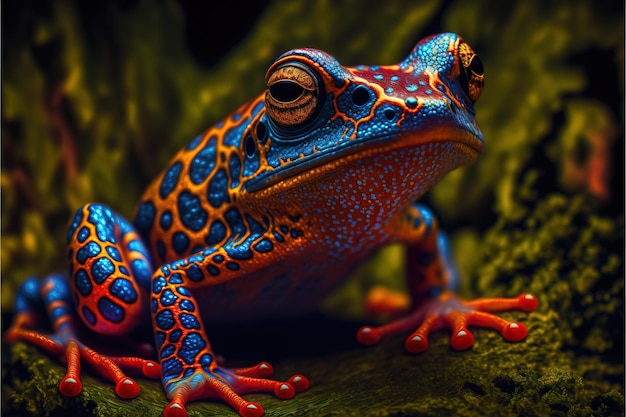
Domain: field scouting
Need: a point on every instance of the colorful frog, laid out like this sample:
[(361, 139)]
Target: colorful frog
[(265, 213)]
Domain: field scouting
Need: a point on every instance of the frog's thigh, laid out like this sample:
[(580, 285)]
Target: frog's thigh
[(110, 269)]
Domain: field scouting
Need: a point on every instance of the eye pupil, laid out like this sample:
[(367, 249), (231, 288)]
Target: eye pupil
[(286, 91), (477, 66)]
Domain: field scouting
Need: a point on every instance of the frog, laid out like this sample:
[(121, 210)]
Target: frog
[(264, 214)]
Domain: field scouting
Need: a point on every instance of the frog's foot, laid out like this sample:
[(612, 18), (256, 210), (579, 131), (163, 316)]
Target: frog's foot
[(67, 348), (228, 385), (448, 311)]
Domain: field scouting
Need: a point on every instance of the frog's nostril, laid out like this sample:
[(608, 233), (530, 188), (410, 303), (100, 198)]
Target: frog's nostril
[(390, 114), (360, 95)]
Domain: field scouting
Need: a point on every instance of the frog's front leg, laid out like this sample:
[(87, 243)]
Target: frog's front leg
[(433, 305), (109, 267), (189, 367)]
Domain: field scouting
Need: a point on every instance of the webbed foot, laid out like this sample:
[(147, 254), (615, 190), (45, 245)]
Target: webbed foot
[(68, 349), (228, 385), (449, 311)]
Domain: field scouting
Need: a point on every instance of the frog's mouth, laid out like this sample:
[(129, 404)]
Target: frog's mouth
[(469, 144)]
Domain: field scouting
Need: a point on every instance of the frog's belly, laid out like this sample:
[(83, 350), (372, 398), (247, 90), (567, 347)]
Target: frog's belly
[(273, 292)]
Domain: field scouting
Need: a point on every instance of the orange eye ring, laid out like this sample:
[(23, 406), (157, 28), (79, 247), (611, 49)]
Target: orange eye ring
[(472, 72), (292, 95)]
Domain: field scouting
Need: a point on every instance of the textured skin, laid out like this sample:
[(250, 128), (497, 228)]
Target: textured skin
[(264, 213)]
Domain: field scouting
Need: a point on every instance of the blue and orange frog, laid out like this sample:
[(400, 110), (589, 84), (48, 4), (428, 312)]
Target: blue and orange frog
[(264, 214)]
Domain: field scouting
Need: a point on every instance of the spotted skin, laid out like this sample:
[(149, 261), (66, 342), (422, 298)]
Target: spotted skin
[(268, 211)]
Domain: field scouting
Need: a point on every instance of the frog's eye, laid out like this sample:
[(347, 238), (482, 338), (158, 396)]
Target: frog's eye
[(472, 72), (292, 95)]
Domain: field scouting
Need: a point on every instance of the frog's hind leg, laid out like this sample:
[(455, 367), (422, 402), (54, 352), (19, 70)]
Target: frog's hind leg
[(433, 306), (107, 261), (53, 294)]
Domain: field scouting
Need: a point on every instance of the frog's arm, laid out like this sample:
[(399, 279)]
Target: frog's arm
[(430, 271), (190, 370)]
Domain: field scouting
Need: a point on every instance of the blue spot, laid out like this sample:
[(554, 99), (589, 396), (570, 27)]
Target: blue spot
[(155, 305), (389, 90), (188, 321), (192, 215), (264, 246), (114, 253), (110, 310), (187, 305), (233, 266), (279, 237), (218, 259), (168, 298), (176, 279), (255, 227), (165, 320), (101, 269), (82, 283), (203, 163), (136, 246), (123, 270), (217, 192), (192, 344), (195, 273), (166, 220), (167, 351), (171, 368), (101, 217), (233, 136), (205, 360), (123, 289), (296, 233), (394, 78), (217, 233), (83, 234), (170, 179), (159, 338), (141, 272), (90, 250), (235, 222), (284, 228), (241, 252), (234, 166), (194, 143), (158, 285), (180, 242), (57, 313), (144, 218), (379, 76), (411, 102), (183, 291), (89, 316), (411, 88), (213, 270), (175, 335)]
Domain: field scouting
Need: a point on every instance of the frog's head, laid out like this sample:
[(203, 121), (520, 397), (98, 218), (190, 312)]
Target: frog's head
[(321, 116)]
